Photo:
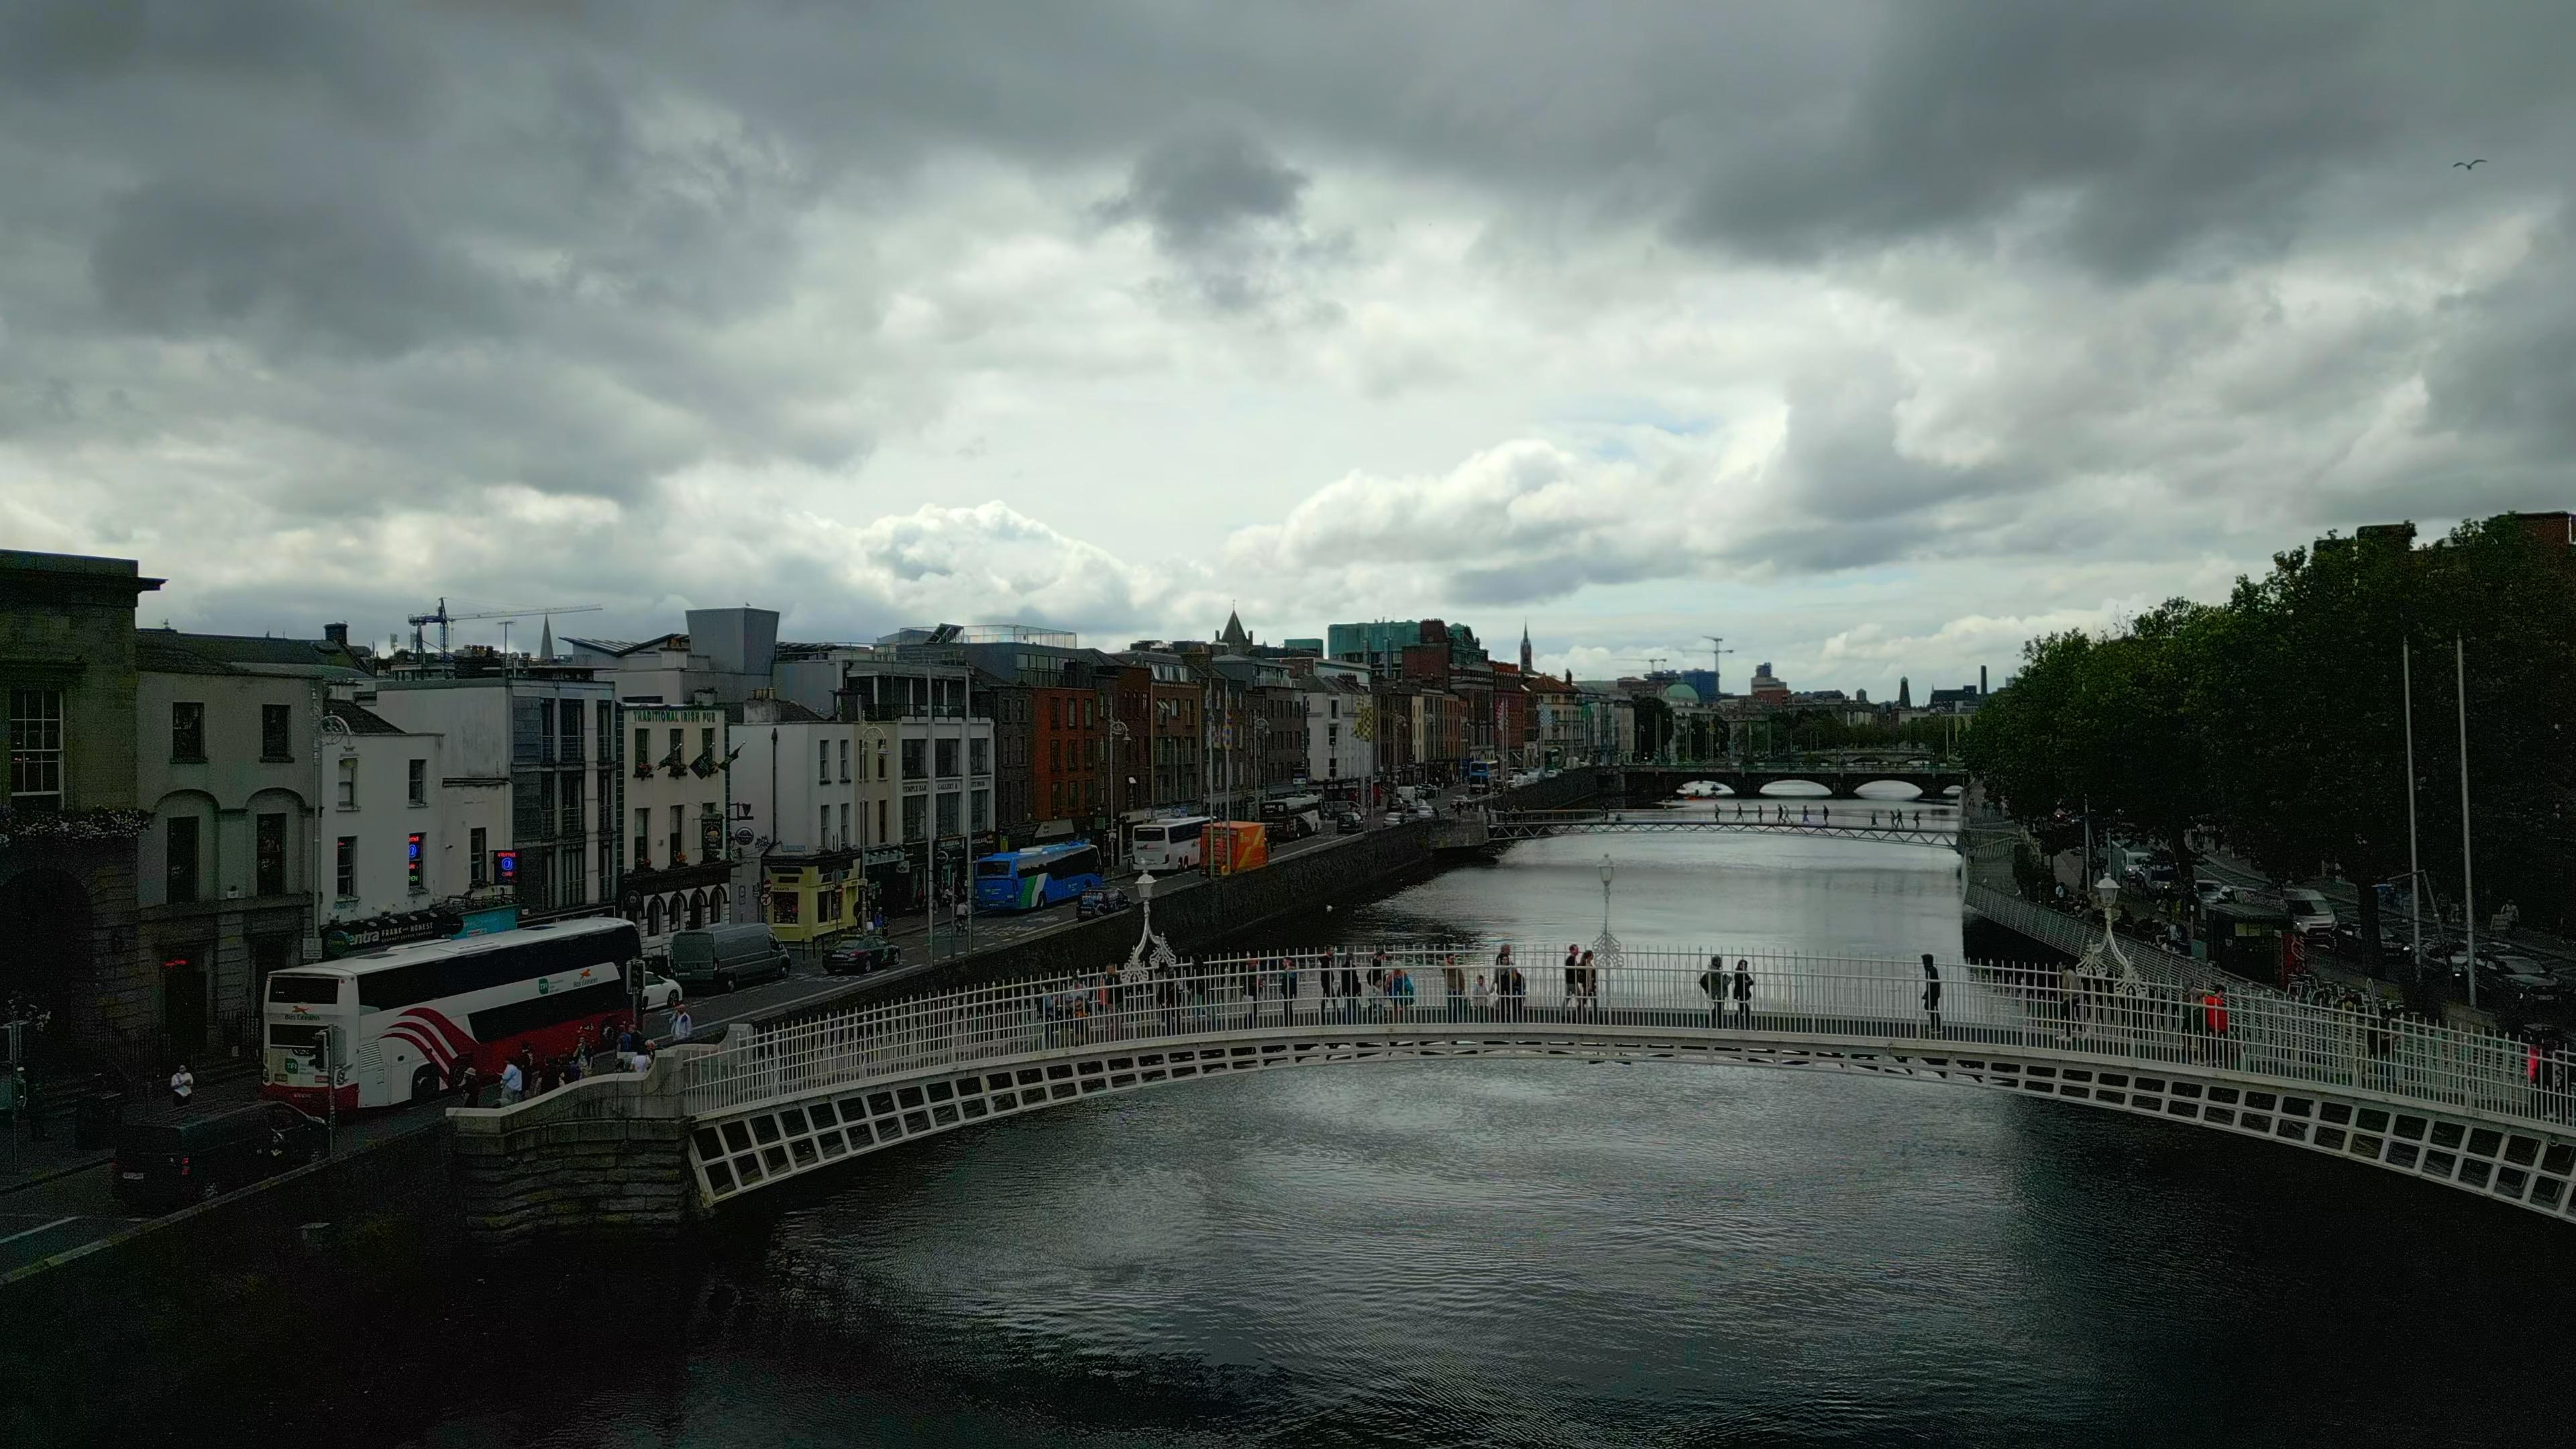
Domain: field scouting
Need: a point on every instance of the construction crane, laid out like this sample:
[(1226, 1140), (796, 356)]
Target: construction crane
[(442, 619), (1716, 649)]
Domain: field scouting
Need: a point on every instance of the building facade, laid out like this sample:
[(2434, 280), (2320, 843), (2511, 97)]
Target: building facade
[(68, 844), (549, 735), (678, 810)]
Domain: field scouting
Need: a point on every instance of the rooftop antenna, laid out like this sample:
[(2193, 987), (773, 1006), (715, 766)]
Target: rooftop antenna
[(1716, 649)]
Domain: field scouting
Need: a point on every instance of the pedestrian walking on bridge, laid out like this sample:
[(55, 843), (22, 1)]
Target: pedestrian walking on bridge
[(1931, 995), (1743, 992), (1712, 984)]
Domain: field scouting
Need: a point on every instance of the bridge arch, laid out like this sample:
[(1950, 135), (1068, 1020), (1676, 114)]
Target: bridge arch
[(767, 1105)]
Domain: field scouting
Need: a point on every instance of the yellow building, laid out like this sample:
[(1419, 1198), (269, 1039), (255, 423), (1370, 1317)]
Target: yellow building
[(815, 896)]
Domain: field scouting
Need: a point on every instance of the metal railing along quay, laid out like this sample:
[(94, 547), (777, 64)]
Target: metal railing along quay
[(2264, 1038)]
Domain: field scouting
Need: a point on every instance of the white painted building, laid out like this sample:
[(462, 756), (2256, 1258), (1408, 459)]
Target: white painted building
[(1337, 749)]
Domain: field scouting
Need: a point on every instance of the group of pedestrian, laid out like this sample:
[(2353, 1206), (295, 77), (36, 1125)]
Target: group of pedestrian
[(1721, 986), (1582, 980)]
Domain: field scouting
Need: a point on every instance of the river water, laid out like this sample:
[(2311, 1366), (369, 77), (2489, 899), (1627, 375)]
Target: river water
[(1523, 1253)]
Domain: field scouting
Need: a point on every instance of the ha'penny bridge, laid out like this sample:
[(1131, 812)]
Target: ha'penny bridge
[(1730, 817), (720, 1122)]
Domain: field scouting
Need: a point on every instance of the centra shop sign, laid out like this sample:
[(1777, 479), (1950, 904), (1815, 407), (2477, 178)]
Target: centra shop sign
[(339, 938)]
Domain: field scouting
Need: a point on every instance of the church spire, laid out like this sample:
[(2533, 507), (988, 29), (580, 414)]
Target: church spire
[(1525, 647)]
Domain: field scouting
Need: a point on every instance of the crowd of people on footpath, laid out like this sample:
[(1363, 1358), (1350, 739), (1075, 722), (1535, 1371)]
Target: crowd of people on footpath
[(525, 1075)]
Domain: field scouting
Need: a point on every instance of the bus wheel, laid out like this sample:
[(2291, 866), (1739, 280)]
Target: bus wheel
[(424, 1084)]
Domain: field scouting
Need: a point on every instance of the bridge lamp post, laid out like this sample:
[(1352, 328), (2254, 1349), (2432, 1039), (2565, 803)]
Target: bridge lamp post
[(2106, 892), (1606, 950)]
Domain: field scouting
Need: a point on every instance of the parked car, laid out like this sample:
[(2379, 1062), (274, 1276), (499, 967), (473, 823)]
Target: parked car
[(2533, 989), (1106, 901), (166, 1165), (2308, 910), (862, 954), (724, 957), (1349, 822), (661, 993)]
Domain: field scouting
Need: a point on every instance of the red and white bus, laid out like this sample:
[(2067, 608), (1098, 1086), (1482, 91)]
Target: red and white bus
[(399, 1025)]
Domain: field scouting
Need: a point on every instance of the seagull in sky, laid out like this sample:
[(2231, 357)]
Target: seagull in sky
[(2469, 165)]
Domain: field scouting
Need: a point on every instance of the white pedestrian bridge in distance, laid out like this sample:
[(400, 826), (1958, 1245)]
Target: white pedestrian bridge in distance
[(2480, 1113)]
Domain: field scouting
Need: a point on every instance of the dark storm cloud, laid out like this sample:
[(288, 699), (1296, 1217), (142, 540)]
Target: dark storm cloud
[(337, 264), (1193, 189), (374, 259)]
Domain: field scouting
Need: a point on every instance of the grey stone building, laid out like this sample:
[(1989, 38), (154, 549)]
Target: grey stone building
[(67, 841)]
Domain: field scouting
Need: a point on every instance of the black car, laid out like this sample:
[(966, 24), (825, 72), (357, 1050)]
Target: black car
[(1107, 901), (1349, 823), (166, 1165), (862, 954)]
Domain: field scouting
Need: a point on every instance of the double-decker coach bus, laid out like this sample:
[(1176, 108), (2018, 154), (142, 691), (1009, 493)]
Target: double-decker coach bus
[(1170, 844), (403, 1022), (1035, 878)]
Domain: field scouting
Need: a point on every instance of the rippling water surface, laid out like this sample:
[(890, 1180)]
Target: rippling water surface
[(1542, 1253)]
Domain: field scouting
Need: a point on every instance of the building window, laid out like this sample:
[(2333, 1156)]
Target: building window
[(188, 732), (980, 818), (881, 822), (679, 834), (475, 842), (975, 757), (416, 778), (607, 866), (608, 800), (823, 828), (348, 782), (912, 759), (180, 864), (845, 825), (914, 816), (845, 762), (275, 722), (36, 749), (268, 855), (572, 821), (822, 762), (643, 751), (345, 873), (948, 812), (947, 753), (607, 735), (576, 872), (643, 839), (572, 736), (782, 907), (414, 846), (881, 759)]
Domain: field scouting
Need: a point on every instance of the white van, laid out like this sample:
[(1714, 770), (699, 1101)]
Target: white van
[(2308, 911)]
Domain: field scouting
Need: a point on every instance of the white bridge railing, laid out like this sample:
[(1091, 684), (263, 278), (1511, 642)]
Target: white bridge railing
[(1427, 995)]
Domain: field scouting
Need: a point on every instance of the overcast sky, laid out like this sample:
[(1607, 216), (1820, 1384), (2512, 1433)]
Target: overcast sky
[(1873, 337)]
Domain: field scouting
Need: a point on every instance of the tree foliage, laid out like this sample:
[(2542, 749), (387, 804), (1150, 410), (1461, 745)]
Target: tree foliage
[(2275, 721)]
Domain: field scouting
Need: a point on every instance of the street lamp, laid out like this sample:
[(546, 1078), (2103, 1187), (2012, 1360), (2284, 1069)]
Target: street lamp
[(1606, 950), (1162, 956), (2106, 894)]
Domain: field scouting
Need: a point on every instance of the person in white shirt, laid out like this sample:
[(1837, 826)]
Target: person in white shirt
[(643, 1056), (680, 1025), (183, 1086), (511, 1082)]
